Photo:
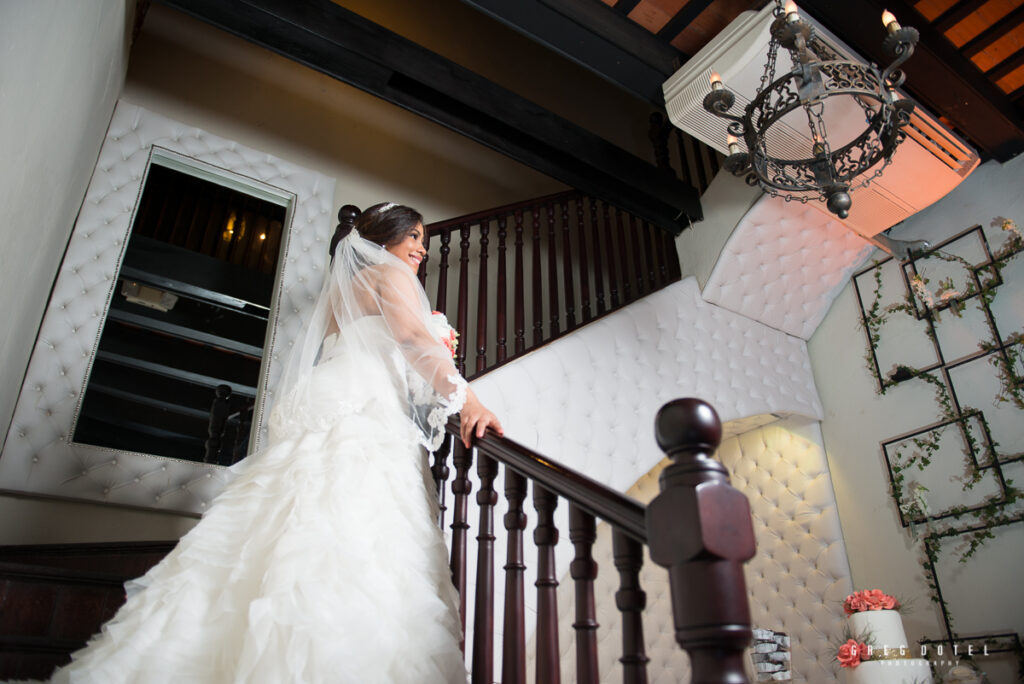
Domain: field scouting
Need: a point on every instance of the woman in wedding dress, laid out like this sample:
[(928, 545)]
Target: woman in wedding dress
[(321, 561)]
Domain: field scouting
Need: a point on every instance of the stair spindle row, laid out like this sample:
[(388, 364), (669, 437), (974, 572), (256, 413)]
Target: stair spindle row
[(586, 259), (705, 572)]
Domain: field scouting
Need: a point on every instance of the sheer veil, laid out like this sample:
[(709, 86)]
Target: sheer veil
[(372, 311)]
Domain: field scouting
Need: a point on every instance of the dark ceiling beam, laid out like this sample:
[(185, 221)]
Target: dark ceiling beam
[(955, 14), (941, 78), (330, 39), (624, 7), (1007, 66), (986, 38), (594, 36), (682, 19)]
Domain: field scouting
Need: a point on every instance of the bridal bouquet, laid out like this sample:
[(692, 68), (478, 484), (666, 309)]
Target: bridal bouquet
[(445, 331)]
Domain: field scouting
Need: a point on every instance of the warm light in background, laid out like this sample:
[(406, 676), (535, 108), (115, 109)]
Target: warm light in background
[(263, 236), (229, 229)]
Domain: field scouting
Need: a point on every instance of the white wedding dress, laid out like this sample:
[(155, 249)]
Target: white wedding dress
[(320, 562)]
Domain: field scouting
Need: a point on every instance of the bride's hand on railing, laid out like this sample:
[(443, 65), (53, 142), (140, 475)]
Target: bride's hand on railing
[(475, 418)]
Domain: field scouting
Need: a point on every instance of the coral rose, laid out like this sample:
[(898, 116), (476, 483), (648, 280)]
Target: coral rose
[(851, 653)]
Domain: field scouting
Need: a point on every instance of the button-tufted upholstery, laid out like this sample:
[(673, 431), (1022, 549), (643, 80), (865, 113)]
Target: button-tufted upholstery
[(796, 582), (37, 455), (589, 399), (783, 265)]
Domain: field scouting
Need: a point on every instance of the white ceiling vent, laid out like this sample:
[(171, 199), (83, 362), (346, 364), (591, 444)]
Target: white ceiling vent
[(930, 162)]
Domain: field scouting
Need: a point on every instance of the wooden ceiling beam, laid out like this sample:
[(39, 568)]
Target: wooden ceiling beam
[(993, 33), (594, 36), (938, 76), (339, 43), (955, 14), (1007, 66)]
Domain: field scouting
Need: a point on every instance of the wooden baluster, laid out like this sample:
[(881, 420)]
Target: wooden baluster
[(442, 276), (649, 255), (513, 660), (699, 528), (460, 352), (216, 424), (582, 533), (518, 297), (347, 216), (462, 458), (635, 241), (538, 299), (631, 600), (552, 272), (422, 271), (595, 239), (684, 159), (609, 241), (483, 613), (621, 242), (441, 472), (581, 238), (658, 133), (500, 323), (545, 536), (665, 246), (570, 292), (481, 302)]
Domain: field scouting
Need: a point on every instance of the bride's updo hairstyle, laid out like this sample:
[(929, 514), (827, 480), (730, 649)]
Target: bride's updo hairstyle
[(388, 223)]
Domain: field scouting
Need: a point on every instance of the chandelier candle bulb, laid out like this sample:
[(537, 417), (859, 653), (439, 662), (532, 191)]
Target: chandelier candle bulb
[(734, 144), (716, 81), (889, 21), (792, 12)]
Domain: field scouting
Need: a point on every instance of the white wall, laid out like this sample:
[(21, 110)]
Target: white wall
[(62, 70), (984, 594)]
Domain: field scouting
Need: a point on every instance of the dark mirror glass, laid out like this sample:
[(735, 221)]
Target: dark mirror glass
[(178, 364)]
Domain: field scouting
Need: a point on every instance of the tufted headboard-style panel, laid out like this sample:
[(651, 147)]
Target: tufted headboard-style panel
[(38, 456), (783, 265), (796, 583), (589, 400)]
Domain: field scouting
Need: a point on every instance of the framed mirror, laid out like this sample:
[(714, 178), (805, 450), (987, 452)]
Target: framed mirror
[(192, 265)]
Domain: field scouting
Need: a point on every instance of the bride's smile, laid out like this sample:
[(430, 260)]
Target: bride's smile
[(410, 249)]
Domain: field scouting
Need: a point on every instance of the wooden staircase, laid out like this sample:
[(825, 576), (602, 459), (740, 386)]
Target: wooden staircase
[(54, 597), (574, 259)]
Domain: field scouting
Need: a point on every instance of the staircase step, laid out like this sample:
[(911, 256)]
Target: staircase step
[(54, 597)]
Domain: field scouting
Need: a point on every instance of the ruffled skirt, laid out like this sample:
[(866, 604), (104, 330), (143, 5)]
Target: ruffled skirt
[(321, 562)]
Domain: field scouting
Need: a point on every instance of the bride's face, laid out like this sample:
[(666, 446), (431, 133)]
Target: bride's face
[(410, 249)]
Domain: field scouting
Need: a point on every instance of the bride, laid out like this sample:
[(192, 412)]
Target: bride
[(321, 561)]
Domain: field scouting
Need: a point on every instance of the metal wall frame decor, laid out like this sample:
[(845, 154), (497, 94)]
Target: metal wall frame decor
[(972, 523)]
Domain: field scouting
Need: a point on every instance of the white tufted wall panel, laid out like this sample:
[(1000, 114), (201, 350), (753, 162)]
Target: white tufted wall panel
[(784, 264), (796, 582), (589, 399), (37, 455)]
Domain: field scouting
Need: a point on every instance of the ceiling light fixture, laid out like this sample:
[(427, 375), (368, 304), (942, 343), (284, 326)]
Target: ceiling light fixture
[(821, 80)]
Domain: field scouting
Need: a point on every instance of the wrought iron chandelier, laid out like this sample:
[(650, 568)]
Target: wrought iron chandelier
[(821, 169)]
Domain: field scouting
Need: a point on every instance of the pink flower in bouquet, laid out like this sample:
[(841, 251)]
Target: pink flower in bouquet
[(852, 653), (447, 333)]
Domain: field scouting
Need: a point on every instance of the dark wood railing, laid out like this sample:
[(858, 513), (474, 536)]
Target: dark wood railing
[(689, 159), (514, 278), (698, 527)]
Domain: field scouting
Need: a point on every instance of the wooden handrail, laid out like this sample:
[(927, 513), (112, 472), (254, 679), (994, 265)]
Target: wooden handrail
[(597, 499), (698, 528)]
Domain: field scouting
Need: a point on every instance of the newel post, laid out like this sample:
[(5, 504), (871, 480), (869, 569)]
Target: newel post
[(699, 528)]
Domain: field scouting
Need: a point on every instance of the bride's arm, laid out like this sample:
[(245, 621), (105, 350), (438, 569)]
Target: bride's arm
[(428, 356)]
